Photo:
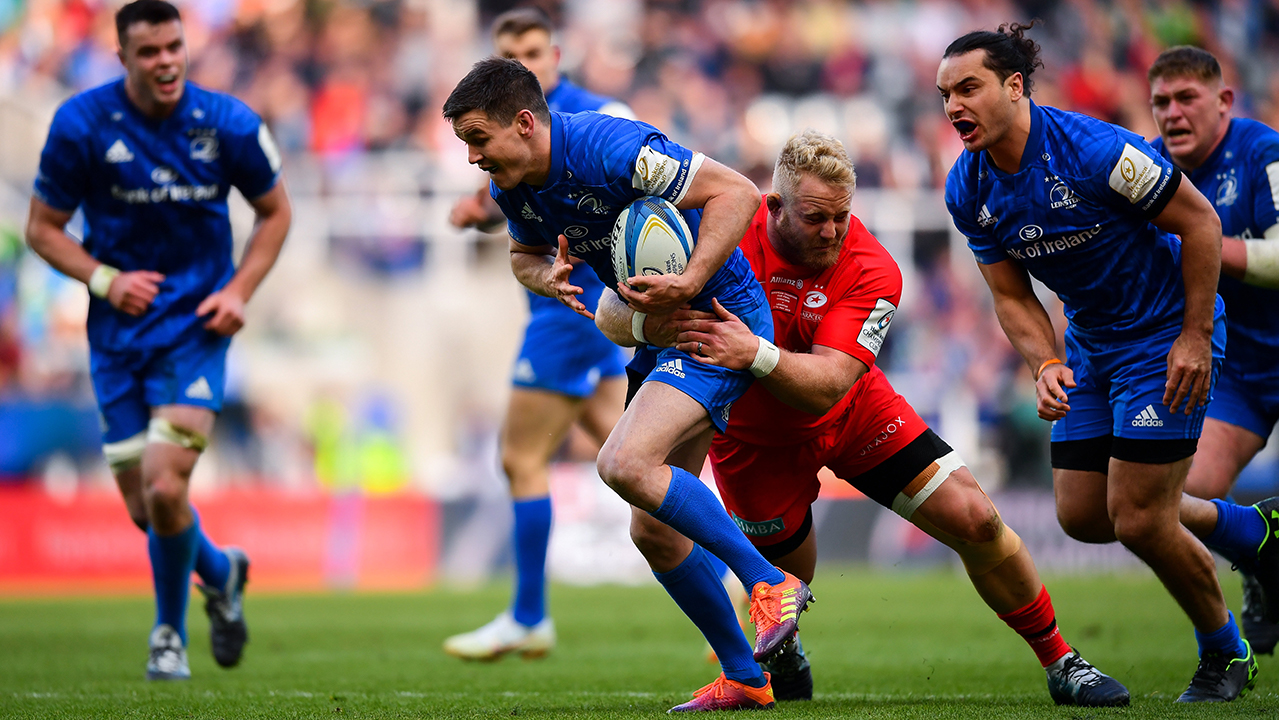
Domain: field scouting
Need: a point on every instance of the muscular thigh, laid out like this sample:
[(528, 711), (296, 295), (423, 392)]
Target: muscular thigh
[(535, 424)]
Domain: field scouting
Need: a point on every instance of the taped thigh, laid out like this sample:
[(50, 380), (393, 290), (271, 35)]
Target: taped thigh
[(925, 484), (163, 431), (124, 454)]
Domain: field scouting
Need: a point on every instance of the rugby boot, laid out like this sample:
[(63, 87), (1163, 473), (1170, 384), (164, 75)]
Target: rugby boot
[(225, 607), (775, 612), (501, 636), (1261, 633), (791, 676), (1265, 566), (1222, 679), (168, 659), (725, 694), (1072, 680)]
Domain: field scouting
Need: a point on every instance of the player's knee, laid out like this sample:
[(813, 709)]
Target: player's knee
[(1084, 526), (982, 525), (982, 557), (619, 469), (1208, 484), (165, 488), (1138, 529)]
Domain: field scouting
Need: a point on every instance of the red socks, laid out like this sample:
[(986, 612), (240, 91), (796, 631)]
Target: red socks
[(1037, 623)]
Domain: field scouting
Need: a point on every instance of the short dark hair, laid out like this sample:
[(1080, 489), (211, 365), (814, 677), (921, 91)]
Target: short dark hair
[(151, 12), (520, 20), (1185, 61), (501, 88), (1008, 51)]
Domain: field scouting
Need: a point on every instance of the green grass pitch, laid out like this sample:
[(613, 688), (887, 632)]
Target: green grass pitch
[(882, 646)]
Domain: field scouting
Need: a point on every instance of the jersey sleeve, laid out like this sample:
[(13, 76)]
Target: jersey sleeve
[(255, 159), (639, 160), (1265, 200), (1122, 171), (982, 243), (858, 322), (521, 231), (62, 179)]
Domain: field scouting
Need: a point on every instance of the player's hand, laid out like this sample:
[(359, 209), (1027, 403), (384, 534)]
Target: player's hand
[(226, 310), (718, 339), (1050, 391), (132, 292), (1189, 371), (558, 283), (468, 212), (664, 330), (657, 294)]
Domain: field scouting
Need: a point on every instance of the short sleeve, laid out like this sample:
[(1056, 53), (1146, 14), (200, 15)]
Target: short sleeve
[(858, 322), (1124, 172), (62, 179), (981, 242), (1265, 199), (255, 159), (664, 168)]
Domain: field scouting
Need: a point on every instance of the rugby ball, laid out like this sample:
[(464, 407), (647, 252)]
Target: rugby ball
[(650, 237)]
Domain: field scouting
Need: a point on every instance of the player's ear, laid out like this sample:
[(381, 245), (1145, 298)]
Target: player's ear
[(1016, 86), (1227, 98), (525, 123), (774, 202)]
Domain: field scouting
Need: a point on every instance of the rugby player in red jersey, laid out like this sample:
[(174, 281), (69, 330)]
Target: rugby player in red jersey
[(820, 401)]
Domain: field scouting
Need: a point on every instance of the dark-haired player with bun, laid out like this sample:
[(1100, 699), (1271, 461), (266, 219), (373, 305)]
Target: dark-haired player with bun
[(1094, 212)]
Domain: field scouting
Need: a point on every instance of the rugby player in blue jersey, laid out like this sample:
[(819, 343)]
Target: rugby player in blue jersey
[(149, 160), (1092, 211), (566, 372), (562, 180), (1235, 163)]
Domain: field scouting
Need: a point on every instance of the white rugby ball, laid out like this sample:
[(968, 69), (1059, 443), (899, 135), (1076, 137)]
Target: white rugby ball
[(650, 237)]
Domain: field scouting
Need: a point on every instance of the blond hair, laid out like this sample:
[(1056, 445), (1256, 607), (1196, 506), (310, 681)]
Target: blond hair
[(812, 153)]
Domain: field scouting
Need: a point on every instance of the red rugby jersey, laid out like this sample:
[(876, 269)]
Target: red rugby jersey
[(848, 307)]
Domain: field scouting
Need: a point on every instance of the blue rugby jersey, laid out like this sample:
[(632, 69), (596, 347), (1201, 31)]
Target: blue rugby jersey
[(569, 98), (154, 196), (600, 165), (1077, 216), (1241, 179)]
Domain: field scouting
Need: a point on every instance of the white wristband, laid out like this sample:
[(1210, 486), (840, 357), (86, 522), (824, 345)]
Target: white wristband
[(1263, 263), (637, 326), (766, 358), (100, 280)]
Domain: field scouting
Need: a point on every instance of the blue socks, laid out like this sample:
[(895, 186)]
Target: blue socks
[(172, 560), (1224, 640), (696, 588), (531, 536), (211, 564), (1239, 531), (692, 509)]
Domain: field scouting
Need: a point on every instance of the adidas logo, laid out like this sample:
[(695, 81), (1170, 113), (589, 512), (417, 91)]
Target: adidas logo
[(118, 153), (528, 214), (674, 367), (1147, 418), (200, 390), (984, 218)]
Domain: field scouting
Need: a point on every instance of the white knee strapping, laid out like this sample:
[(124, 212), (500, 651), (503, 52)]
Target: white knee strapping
[(163, 431), (909, 499), (125, 453)]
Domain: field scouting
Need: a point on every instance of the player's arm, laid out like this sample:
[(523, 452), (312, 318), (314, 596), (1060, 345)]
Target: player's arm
[(1190, 215), (128, 292), (1256, 260), (630, 328), (546, 274), (813, 382), (225, 307), (1030, 330), (728, 201), (479, 211)]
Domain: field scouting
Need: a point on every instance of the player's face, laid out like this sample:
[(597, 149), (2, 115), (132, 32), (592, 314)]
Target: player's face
[(533, 50), (155, 61), (981, 108), (501, 151), (1192, 116), (809, 228)]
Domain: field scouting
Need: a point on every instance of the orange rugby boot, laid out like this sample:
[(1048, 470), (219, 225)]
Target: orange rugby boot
[(725, 694), (775, 611)]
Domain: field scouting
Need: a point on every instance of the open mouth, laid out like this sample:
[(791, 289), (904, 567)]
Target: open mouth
[(487, 168), (167, 82), (965, 128), (1179, 132)]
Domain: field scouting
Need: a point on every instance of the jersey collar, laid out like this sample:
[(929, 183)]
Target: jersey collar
[(178, 110), (557, 150), (1210, 163)]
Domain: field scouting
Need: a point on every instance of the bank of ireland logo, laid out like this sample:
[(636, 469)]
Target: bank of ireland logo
[(815, 299), (1031, 233), (1061, 197), (575, 232), (163, 175)]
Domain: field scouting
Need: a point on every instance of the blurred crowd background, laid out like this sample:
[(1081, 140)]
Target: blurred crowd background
[(377, 354)]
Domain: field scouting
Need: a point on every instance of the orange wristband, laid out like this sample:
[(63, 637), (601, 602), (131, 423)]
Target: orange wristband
[(1050, 361)]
